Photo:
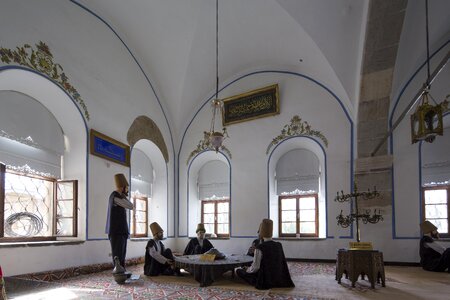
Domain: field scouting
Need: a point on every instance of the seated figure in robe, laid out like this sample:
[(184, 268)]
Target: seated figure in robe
[(200, 244), (269, 268), (158, 259)]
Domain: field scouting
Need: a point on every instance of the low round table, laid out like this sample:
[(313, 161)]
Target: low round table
[(206, 272)]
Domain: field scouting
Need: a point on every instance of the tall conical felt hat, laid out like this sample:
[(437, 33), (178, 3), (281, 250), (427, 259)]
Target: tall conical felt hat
[(120, 180), (155, 228), (200, 227), (427, 227), (266, 228)]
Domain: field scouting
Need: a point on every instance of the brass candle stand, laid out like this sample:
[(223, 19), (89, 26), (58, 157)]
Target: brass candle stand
[(356, 215)]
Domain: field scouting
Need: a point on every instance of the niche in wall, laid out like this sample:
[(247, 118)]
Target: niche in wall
[(208, 192), (296, 169), (44, 129), (149, 179)]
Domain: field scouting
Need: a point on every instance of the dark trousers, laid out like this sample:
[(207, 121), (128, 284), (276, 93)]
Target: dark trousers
[(444, 261), (250, 278), (155, 268), (119, 247)]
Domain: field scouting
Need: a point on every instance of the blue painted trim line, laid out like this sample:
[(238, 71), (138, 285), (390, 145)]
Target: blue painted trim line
[(346, 236), (187, 196), (325, 176), (13, 67), (276, 72), (146, 78), (421, 212), (391, 142)]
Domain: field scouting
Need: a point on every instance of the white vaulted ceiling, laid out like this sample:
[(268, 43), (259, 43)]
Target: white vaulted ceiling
[(174, 42)]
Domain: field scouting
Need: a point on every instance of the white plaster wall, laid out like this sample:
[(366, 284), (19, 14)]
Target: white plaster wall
[(54, 257), (279, 153), (196, 166), (249, 163), (435, 162), (408, 80), (141, 172), (115, 92), (159, 207)]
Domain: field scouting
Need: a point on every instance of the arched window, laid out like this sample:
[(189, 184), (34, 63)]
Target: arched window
[(140, 192), (213, 190), (297, 188), (435, 176), (209, 194), (148, 188), (35, 203), (297, 183)]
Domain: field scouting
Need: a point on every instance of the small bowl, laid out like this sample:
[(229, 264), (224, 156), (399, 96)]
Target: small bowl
[(120, 278)]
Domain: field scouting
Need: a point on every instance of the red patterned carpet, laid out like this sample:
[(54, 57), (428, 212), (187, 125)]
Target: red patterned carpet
[(102, 286)]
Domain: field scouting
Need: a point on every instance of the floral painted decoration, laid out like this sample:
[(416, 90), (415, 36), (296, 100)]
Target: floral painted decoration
[(296, 128), (41, 60), (205, 145)]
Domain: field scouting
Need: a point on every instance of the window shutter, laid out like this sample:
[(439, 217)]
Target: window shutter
[(65, 211)]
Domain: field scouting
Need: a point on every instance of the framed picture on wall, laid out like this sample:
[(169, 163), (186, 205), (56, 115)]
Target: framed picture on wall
[(251, 105), (108, 148)]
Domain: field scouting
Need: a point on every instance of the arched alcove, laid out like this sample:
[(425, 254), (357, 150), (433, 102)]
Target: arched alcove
[(313, 147), (145, 128), (204, 165), (72, 123), (434, 162), (158, 205)]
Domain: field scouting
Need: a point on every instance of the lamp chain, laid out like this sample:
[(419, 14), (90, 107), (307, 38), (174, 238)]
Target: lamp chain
[(428, 45), (215, 102), (217, 49)]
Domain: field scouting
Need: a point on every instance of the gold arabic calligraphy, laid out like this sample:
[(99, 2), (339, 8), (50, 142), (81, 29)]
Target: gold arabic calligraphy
[(258, 104)]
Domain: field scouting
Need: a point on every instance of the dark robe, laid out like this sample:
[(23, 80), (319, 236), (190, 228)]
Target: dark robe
[(152, 267), (193, 247), (273, 271), (255, 244), (432, 260), (117, 229)]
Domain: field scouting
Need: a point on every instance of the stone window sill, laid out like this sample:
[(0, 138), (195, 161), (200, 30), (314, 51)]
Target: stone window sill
[(40, 243), (299, 239)]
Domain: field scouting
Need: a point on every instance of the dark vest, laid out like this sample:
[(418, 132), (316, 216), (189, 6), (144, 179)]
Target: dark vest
[(273, 271), (255, 243), (152, 267), (118, 219), (193, 247), (429, 258)]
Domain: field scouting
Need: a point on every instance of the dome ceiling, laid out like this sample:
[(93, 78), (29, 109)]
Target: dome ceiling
[(174, 42)]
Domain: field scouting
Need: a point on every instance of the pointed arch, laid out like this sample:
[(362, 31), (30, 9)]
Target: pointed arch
[(145, 128)]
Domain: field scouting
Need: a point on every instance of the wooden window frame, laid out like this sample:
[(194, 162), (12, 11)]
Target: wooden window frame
[(146, 199), (74, 207), (441, 187), (216, 202), (53, 237), (298, 221)]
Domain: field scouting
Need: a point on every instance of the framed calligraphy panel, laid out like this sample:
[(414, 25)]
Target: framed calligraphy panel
[(108, 148), (255, 104)]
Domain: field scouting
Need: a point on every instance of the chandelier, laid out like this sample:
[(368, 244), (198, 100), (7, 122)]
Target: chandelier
[(216, 138), (357, 214), (426, 122)]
